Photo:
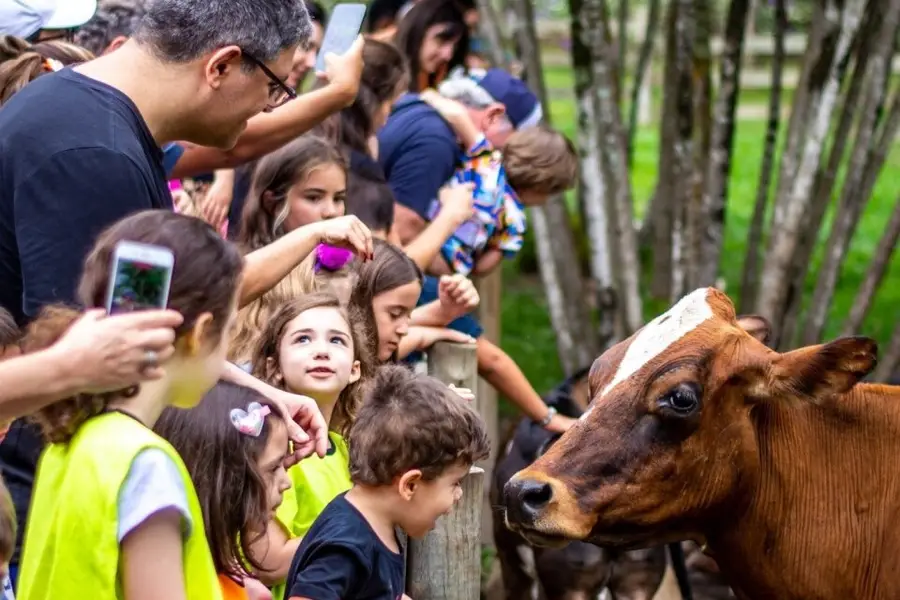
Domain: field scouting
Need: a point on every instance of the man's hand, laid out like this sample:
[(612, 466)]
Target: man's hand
[(105, 353), (344, 71), (457, 202), (346, 232)]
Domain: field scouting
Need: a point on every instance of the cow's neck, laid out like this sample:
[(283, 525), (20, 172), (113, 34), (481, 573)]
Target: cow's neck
[(821, 519)]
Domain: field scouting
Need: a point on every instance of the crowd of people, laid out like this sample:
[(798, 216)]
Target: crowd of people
[(264, 434)]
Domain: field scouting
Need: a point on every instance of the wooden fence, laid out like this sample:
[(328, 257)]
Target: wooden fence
[(446, 564)]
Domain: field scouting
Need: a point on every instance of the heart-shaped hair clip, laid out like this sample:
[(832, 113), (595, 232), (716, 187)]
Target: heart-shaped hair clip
[(250, 421)]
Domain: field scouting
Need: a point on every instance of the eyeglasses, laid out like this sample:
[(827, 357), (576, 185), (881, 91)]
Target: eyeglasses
[(279, 92)]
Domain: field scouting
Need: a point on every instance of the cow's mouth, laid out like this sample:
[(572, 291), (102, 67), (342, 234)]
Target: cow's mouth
[(543, 539)]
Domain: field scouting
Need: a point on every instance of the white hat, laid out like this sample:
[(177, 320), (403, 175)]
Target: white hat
[(24, 18)]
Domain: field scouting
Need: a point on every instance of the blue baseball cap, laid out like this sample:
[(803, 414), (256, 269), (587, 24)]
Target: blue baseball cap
[(522, 106)]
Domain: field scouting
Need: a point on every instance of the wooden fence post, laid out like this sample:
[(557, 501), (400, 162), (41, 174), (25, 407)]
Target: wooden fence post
[(446, 563), (489, 288)]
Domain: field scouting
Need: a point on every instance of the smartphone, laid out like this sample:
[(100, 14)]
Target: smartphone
[(139, 277), (344, 25)]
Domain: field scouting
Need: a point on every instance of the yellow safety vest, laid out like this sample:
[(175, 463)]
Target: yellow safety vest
[(71, 548)]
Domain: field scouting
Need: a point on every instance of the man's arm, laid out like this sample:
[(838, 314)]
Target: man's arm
[(416, 176), (62, 208)]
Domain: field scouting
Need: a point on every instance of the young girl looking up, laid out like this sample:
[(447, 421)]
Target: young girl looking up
[(111, 497), (303, 183), (315, 347), (234, 444)]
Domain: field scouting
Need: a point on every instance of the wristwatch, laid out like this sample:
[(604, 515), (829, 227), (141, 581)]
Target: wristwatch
[(551, 412)]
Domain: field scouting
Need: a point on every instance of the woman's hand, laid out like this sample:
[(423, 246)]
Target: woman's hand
[(104, 353), (559, 424), (346, 232), (457, 295)]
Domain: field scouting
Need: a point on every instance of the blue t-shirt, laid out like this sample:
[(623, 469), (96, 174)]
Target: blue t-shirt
[(418, 151), (342, 558)]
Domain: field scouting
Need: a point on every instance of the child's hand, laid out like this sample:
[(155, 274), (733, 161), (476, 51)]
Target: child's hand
[(464, 393), (428, 336), (457, 295), (217, 202), (346, 232), (256, 590), (458, 202)]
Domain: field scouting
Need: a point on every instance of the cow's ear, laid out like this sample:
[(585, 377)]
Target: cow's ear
[(818, 373), (756, 326)]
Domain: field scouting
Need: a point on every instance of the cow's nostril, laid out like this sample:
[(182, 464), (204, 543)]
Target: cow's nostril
[(535, 496)]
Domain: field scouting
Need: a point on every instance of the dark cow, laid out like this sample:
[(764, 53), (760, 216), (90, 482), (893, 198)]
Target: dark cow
[(579, 571), (782, 464)]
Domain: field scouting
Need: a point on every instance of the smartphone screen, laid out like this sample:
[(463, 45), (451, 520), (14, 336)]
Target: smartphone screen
[(344, 26), (140, 278)]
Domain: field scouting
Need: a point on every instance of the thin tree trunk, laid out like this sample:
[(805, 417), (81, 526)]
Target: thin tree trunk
[(489, 24), (789, 213), (685, 31), (640, 74), (750, 279), (715, 198), (875, 275), (622, 51), (592, 186), (662, 209), (890, 358), (862, 172), (576, 344), (824, 184)]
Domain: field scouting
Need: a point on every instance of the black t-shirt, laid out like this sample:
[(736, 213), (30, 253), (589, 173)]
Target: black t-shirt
[(75, 157), (342, 558)]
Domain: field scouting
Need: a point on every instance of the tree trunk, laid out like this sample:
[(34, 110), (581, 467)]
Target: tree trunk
[(874, 276), (685, 31), (489, 24), (890, 359), (662, 209), (862, 172), (622, 50), (750, 279), (592, 186), (790, 211), (715, 197), (823, 186), (576, 343), (623, 238), (640, 74)]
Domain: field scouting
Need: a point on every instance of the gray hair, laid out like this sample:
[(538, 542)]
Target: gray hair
[(182, 30), (462, 88), (114, 18)]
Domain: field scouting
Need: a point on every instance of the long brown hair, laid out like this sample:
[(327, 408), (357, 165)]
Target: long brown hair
[(267, 368), (204, 280), (389, 269), (266, 207), (414, 27), (22, 62), (223, 464)]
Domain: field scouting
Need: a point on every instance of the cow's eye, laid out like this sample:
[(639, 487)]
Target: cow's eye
[(683, 399)]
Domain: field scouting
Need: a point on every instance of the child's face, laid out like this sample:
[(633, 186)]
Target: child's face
[(392, 309), (271, 464), (316, 354), (532, 197), (432, 500), (318, 197)]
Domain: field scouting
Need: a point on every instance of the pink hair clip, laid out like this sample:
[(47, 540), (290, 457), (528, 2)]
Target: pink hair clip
[(331, 258), (250, 422)]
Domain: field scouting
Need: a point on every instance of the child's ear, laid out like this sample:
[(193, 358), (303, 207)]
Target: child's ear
[(193, 341), (408, 484), (355, 372)]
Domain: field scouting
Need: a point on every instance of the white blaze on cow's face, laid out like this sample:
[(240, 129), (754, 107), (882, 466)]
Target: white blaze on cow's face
[(658, 335)]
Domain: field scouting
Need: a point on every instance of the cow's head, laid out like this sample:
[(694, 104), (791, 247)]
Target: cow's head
[(670, 440)]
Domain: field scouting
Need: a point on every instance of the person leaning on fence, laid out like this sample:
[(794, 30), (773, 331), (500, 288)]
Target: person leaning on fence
[(413, 442)]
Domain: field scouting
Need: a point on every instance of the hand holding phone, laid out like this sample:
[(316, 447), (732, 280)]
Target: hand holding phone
[(139, 277), (343, 28)]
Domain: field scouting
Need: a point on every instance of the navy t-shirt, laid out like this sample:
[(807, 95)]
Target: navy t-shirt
[(75, 157), (342, 558), (418, 151)]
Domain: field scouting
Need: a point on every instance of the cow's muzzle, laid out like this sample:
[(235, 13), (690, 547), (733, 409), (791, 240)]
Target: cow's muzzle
[(526, 500)]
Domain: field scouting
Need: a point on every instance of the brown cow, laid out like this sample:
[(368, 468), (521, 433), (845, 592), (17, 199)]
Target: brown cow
[(780, 463)]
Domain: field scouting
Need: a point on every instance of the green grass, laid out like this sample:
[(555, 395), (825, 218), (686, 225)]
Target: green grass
[(526, 331)]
